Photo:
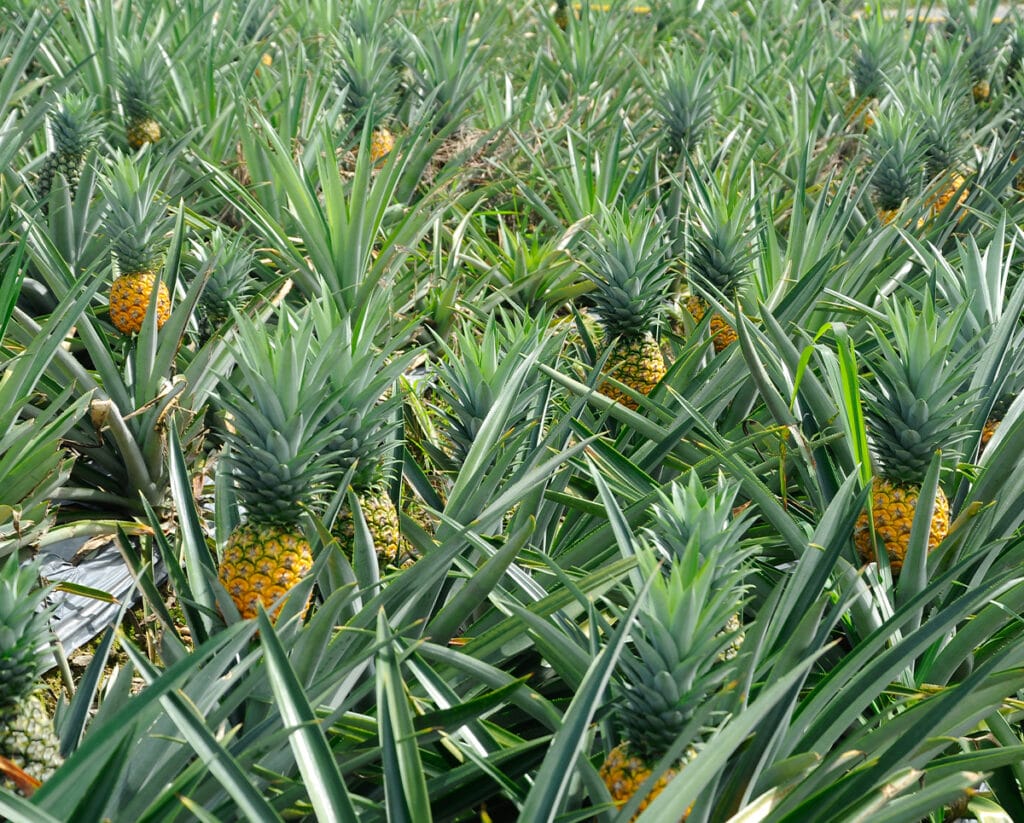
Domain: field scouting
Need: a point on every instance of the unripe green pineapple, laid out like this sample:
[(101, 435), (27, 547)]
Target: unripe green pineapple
[(381, 516), (141, 96), (915, 408), (688, 621), (137, 224), (280, 426), (628, 262), (27, 736), (74, 132)]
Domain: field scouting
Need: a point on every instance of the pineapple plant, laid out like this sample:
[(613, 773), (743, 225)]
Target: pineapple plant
[(629, 267), (278, 428), (136, 224), (141, 95), (1014, 55), (719, 259), (687, 629), (915, 407), (896, 154), (27, 737), (73, 132)]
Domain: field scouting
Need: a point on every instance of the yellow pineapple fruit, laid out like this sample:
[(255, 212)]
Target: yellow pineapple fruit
[(262, 563), (687, 627), (136, 226), (280, 424), (894, 506), (140, 96), (382, 143), (719, 258), (915, 408), (624, 773), (365, 411)]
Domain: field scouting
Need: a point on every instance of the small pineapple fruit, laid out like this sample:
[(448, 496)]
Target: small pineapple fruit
[(897, 163), (941, 112), (983, 44), (877, 48), (368, 80), (685, 98), (141, 83), (74, 132), (136, 226), (27, 737), (280, 425), (365, 416), (630, 268), (719, 261), (915, 408), (382, 143), (686, 622), (561, 14), (381, 516)]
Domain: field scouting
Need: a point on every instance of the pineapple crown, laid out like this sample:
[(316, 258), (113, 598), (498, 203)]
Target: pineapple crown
[(942, 111), (720, 249), (367, 76), (229, 263), (629, 263), (24, 630), (981, 37), (364, 414), (141, 81), (137, 221), (475, 371), (896, 149), (253, 16), (685, 97), (1015, 54), (915, 405), (281, 416), (73, 128), (877, 48), (691, 515), (688, 618)]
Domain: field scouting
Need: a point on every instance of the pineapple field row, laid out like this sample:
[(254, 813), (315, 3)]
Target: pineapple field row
[(514, 411)]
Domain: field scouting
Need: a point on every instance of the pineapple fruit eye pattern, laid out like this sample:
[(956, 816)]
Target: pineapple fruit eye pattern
[(442, 410)]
